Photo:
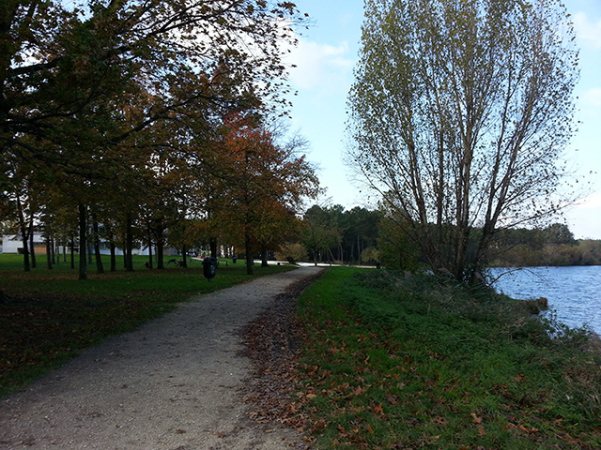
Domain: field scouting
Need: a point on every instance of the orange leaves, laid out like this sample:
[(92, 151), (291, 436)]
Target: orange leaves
[(525, 429), (392, 399), (358, 391), (260, 184), (378, 409), (478, 421), (475, 418)]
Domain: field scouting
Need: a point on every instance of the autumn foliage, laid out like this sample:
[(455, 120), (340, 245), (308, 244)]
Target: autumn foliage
[(112, 112), (259, 186)]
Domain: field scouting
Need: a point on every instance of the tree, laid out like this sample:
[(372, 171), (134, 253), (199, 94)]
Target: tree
[(459, 116), (361, 231), (322, 232), (397, 250), (56, 60), (261, 185)]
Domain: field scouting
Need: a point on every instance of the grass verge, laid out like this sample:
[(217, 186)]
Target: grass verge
[(50, 316), (395, 363)]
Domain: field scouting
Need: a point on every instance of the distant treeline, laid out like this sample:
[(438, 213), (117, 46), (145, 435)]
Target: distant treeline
[(377, 237), (552, 246)]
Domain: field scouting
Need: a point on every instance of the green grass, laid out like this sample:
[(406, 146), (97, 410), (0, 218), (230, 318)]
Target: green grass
[(51, 315), (392, 362)]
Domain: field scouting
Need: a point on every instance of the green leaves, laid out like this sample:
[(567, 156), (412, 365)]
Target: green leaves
[(458, 117)]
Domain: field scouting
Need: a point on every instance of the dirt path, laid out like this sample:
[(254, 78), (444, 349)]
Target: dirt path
[(174, 384)]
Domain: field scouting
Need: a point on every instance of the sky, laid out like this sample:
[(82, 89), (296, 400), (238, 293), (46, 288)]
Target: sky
[(325, 58)]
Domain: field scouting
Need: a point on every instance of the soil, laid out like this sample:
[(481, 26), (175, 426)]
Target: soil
[(186, 381)]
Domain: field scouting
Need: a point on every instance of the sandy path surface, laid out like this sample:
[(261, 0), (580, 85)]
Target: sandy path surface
[(173, 384)]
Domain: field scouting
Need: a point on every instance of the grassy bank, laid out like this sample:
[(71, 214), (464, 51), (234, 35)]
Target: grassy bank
[(395, 363), (51, 316)]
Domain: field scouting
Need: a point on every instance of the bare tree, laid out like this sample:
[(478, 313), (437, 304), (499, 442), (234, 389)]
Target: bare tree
[(459, 116)]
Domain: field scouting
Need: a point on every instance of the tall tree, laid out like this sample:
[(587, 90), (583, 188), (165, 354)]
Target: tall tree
[(459, 116), (322, 232), (261, 184)]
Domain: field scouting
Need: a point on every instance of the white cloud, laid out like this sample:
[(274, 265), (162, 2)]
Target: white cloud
[(591, 98), (592, 201), (584, 218), (320, 66), (587, 31)]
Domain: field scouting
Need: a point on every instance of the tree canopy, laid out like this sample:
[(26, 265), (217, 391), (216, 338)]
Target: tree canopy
[(117, 108), (459, 116)]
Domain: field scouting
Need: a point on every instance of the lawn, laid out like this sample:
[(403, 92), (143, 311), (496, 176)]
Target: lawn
[(50, 315), (396, 362), (388, 362)]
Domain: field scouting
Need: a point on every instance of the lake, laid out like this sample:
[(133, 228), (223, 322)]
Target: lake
[(573, 292)]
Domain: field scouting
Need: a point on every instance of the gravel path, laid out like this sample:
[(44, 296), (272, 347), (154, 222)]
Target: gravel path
[(173, 384)]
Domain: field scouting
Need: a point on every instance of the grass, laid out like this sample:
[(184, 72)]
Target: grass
[(51, 315), (394, 363)]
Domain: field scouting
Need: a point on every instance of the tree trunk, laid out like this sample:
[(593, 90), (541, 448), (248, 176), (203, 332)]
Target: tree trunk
[(249, 255), (48, 253), (113, 256), (159, 231), (34, 262), (213, 244), (184, 256), (83, 267), (24, 237), (90, 251), (264, 257), (129, 244), (72, 252), (99, 266)]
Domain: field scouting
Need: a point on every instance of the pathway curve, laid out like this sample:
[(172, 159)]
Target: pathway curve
[(173, 384)]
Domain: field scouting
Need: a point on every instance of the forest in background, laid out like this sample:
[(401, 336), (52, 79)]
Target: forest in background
[(362, 236)]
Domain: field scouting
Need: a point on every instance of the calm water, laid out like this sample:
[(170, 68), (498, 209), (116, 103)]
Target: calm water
[(573, 292)]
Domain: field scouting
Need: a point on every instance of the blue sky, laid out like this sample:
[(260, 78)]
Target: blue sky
[(327, 53)]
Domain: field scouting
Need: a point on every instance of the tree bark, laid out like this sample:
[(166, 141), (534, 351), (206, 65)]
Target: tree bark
[(113, 256), (99, 266), (34, 262), (249, 255), (24, 237), (83, 264), (159, 231), (72, 252), (129, 244), (48, 253), (185, 256), (264, 257)]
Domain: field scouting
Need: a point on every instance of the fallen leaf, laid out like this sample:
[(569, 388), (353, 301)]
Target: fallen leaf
[(441, 420), (476, 419), (392, 399), (358, 390)]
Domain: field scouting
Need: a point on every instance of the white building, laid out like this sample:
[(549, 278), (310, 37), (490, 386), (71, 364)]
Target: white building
[(12, 244)]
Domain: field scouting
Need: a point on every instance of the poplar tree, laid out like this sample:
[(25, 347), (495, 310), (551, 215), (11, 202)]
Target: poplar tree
[(459, 116)]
